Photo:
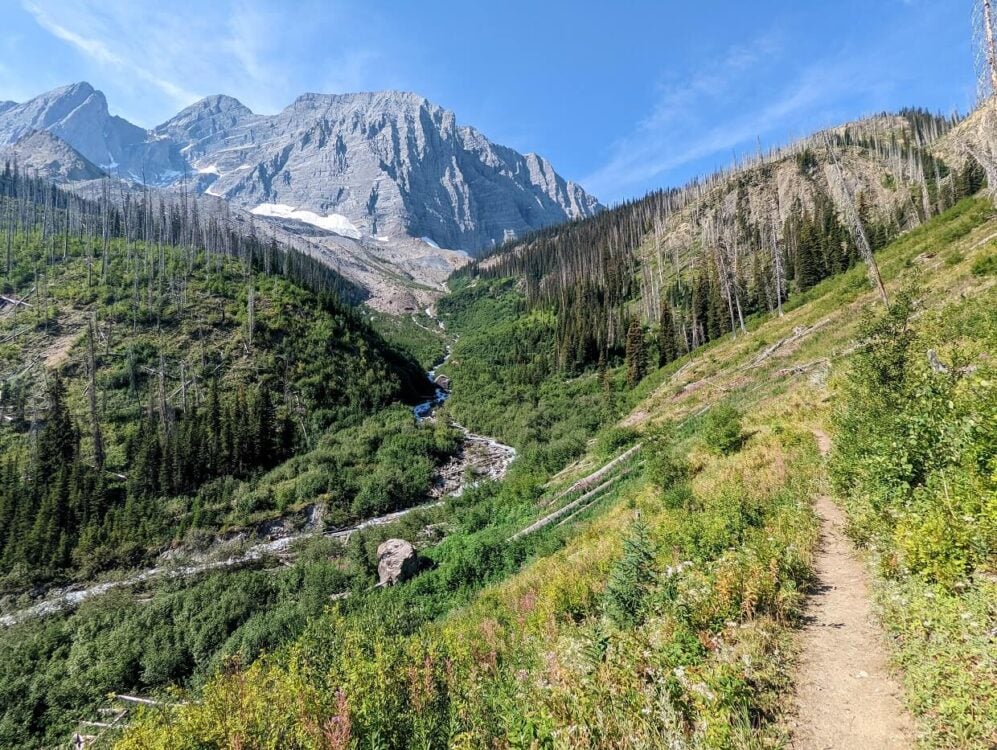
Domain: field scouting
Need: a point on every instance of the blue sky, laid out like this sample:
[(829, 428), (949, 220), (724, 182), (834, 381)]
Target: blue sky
[(623, 96)]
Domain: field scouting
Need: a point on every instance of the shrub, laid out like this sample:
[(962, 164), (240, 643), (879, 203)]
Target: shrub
[(663, 465), (722, 431), (985, 266), (615, 438)]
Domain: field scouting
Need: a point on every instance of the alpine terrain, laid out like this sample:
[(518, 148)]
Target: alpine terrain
[(344, 428), (386, 185)]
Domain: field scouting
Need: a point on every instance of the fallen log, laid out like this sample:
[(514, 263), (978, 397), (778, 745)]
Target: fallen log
[(593, 501), (802, 368), (14, 301), (798, 333), (549, 519), (585, 482)]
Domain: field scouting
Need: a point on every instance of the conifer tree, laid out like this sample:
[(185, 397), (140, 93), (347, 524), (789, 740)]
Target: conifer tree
[(631, 578), (667, 345), (636, 357)]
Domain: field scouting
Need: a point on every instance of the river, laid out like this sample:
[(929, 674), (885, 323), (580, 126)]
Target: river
[(480, 456)]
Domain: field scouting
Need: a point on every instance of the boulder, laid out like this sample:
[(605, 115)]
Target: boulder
[(397, 561), (442, 381)]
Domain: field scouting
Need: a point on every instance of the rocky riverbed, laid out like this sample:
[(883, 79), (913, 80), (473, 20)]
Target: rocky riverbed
[(478, 458)]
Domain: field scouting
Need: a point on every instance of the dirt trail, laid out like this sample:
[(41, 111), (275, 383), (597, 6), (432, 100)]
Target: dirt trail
[(846, 698)]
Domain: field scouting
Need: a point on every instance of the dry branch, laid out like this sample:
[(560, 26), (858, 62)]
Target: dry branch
[(585, 482), (549, 519)]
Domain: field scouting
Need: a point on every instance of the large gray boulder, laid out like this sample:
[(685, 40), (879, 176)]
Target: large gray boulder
[(397, 561)]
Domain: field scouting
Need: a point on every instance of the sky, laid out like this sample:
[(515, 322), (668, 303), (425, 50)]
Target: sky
[(624, 96)]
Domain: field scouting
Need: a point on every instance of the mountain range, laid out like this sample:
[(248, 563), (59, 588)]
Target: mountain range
[(387, 184)]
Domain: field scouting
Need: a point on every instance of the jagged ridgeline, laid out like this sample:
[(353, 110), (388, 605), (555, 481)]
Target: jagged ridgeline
[(151, 358), (695, 263)]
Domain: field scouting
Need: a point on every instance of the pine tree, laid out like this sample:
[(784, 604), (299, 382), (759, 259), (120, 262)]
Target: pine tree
[(636, 357), (59, 441), (808, 261), (631, 578), (668, 350)]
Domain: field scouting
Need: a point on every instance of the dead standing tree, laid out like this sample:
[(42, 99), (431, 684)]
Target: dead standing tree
[(720, 233), (836, 177), (986, 50)]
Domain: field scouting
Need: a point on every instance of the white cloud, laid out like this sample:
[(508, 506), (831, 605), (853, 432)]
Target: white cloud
[(721, 107), (256, 51), (91, 42)]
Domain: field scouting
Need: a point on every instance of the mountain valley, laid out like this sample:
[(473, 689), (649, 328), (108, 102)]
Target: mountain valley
[(344, 427)]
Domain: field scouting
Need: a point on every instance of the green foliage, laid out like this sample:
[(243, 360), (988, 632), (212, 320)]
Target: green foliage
[(631, 578), (985, 265), (806, 161), (507, 382), (668, 343), (487, 674), (193, 404), (590, 275), (915, 456), (636, 356), (722, 430), (663, 464), (417, 334), (614, 439)]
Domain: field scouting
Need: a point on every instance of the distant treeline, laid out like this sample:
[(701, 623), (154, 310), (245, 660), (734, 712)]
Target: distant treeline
[(600, 274), (33, 204)]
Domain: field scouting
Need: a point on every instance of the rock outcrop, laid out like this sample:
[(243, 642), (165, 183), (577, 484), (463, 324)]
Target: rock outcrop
[(397, 561), (39, 152), (382, 165), (78, 115), (386, 187)]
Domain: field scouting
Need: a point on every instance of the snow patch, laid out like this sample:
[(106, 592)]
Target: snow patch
[(336, 223), (210, 169), (430, 242)]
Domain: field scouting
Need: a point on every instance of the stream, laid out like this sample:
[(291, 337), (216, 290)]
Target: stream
[(479, 457)]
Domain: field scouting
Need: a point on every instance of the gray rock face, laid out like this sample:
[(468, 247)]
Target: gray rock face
[(382, 165), (397, 561), (78, 115), (50, 157), (390, 163)]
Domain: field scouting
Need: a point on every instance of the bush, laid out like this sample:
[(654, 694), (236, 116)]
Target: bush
[(722, 430), (985, 266), (615, 438), (631, 578), (663, 465)]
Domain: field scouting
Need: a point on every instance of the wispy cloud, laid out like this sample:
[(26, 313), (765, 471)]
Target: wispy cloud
[(720, 108), (186, 49), (91, 42)]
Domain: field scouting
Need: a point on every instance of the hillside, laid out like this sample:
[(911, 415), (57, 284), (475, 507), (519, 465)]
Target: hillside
[(672, 561), (146, 386), (702, 258), (387, 181)]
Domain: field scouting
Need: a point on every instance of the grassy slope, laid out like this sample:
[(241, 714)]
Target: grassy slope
[(339, 370), (711, 660), (365, 455)]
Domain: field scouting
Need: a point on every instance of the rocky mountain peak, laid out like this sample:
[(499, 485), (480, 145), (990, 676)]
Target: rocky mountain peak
[(388, 170), (42, 153)]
